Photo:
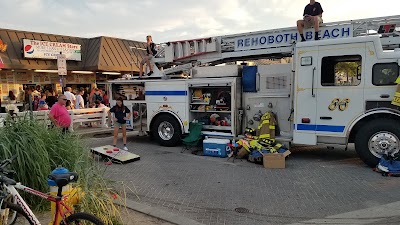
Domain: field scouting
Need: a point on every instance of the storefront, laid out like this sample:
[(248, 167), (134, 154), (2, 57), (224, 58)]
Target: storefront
[(29, 59)]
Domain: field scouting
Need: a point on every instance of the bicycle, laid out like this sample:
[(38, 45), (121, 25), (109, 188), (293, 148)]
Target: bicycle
[(11, 215), (12, 200)]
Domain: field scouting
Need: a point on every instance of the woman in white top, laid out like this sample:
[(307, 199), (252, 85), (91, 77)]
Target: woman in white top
[(80, 103)]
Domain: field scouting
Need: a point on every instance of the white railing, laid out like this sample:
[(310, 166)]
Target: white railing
[(80, 116)]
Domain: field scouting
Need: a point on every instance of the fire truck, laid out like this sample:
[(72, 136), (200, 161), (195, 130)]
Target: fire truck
[(334, 91)]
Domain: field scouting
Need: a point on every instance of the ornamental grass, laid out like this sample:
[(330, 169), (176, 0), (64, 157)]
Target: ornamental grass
[(40, 149)]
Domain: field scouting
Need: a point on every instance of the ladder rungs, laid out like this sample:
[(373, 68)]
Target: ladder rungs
[(189, 56), (198, 39)]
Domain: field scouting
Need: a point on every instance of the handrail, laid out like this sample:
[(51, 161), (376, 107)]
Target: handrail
[(77, 116), (312, 84)]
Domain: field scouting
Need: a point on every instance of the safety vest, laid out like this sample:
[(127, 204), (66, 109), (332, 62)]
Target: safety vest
[(396, 98)]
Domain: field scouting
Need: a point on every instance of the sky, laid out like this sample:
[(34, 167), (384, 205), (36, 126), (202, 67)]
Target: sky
[(169, 20)]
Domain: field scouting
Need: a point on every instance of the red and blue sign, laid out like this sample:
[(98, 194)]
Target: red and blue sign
[(29, 49)]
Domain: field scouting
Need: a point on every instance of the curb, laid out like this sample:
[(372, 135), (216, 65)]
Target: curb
[(372, 215), (158, 213)]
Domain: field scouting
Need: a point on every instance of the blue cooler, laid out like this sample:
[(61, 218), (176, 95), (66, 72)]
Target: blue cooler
[(216, 147)]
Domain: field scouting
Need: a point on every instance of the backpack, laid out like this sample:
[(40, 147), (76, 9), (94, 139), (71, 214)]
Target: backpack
[(98, 97)]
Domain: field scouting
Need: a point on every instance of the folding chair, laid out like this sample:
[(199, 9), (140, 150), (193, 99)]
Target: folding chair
[(194, 138)]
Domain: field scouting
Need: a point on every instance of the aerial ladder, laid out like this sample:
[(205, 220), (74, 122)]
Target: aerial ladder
[(181, 56), (275, 43)]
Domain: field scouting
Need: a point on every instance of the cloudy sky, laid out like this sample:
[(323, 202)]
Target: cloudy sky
[(168, 20)]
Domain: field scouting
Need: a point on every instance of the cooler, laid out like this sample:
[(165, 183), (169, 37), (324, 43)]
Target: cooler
[(216, 147)]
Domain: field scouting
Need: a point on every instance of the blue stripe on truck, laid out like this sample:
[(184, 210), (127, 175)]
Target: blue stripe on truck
[(322, 128)]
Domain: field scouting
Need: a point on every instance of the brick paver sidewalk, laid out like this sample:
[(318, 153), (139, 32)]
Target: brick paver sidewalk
[(316, 183)]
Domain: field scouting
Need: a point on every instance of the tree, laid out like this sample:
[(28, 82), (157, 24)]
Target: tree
[(349, 69)]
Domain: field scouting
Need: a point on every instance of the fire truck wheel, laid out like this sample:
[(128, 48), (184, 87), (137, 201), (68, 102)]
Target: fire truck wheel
[(377, 138), (166, 130)]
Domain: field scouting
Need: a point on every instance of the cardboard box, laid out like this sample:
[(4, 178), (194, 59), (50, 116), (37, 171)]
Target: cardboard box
[(275, 160)]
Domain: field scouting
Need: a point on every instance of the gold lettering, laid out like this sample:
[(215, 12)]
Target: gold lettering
[(334, 104), (340, 104)]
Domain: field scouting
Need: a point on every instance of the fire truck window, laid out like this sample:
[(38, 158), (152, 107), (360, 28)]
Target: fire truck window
[(385, 74), (128, 91), (341, 70)]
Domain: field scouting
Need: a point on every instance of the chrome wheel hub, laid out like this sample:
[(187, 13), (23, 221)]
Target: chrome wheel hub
[(165, 131), (383, 143)]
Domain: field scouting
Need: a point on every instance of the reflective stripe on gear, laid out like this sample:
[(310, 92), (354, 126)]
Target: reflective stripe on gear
[(265, 135), (272, 150)]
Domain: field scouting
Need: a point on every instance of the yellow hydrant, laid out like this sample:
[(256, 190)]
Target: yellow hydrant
[(73, 193)]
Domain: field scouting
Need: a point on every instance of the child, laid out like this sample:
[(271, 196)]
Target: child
[(68, 105), (120, 118)]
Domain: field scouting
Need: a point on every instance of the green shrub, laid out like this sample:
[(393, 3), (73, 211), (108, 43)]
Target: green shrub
[(41, 149)]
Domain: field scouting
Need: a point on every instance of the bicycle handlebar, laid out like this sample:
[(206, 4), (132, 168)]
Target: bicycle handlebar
[(8, 174), (6, 162)]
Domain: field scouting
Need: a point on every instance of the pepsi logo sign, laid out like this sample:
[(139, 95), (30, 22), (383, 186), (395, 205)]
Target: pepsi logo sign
[(29, 49)]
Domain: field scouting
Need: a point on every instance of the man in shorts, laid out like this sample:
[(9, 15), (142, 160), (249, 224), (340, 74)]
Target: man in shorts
[(312, 17)]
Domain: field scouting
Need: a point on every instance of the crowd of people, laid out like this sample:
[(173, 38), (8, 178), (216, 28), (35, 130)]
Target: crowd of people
[(36, 99)]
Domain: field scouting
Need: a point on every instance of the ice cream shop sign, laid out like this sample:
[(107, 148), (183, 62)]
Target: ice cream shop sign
[(49, 50)]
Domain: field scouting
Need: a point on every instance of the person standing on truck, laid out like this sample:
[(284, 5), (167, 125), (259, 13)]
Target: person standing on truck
[(150, 53), (120, 118), (312, 17)]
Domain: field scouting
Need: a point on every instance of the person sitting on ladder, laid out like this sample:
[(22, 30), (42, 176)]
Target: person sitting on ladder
[(151, 52), (312, 17)]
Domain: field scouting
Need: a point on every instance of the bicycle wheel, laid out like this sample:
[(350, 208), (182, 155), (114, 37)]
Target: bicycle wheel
[(82, 218), (23, 218), (12, 214)]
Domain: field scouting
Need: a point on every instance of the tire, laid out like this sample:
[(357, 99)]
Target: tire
[(166, 130), (23, 218), (12, 215), (83, 218), (377, 138)]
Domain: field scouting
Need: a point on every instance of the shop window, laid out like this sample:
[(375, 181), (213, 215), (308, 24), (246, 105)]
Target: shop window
[(385, 74), (341, 70)]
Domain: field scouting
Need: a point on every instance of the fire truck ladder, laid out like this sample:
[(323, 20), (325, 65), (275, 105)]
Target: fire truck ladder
[(185, 49), (222, 48)]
